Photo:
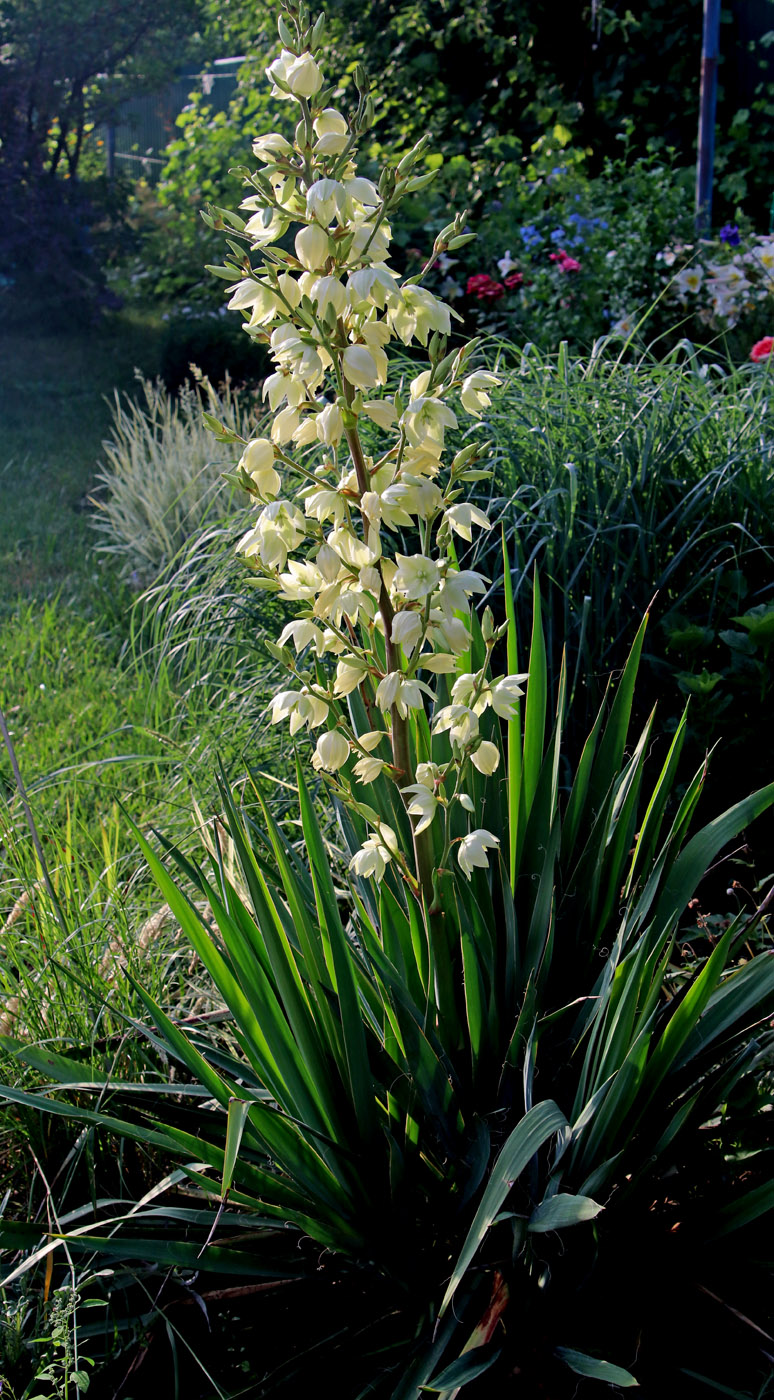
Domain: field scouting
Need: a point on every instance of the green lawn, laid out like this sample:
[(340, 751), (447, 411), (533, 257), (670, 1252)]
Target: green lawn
[(53, 417)]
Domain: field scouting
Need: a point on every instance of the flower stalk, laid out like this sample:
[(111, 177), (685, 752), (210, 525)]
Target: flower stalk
[(330, 533)]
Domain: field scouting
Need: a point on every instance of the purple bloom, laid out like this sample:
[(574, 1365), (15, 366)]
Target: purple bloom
[(730, 234)]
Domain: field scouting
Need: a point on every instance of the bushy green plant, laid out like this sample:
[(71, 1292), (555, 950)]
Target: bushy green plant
[(162, 476), (637, 485)]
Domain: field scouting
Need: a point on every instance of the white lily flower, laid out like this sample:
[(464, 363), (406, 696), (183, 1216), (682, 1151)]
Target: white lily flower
[(266, 227), (472, 850), (332, 751)]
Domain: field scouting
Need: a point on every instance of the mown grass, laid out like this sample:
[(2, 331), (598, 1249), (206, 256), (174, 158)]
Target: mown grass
[(53, 416)]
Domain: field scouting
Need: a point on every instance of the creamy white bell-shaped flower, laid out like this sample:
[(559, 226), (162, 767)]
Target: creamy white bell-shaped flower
[(457, 588), (364, 366), (350, 673), (463, 516), (407, 630), (461, 723), (381, 412), (284, 425), (417, 314), (306, 432), (247, 293), (472, 850), (416, 575), (299, 72), (506, 694), (329, 291), (330, 122), (472, 690), (266, 227), (331, 752), (357, 553), (441, 663), (426, 420), (474, 396), (327, 504), (302, 633), (396, 689), (324, 200), (375, 854), (371, 286), (486, 758), (368, 768), (369, 245), (272, 144), (300, 707), (311, 246), (330, 425), (257, 461), (423, 804)]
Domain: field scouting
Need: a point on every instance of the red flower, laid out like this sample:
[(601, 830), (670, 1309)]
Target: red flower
[(484, 288), (762, 348), (515, 280)]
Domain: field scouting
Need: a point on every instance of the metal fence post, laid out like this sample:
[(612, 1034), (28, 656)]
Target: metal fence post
[(707, 102)]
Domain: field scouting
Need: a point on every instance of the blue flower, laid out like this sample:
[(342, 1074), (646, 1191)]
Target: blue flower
[(730, 234), (557, 235), (530, 236)]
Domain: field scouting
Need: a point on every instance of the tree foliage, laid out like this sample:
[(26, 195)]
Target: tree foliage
[(64, 67)]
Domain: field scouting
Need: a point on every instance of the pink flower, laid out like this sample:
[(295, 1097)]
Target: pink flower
[(515, 280), (566, 263), (762, 348), (484, 288)]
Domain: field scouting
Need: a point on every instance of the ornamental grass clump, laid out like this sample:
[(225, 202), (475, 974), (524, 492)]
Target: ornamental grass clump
[(467, 1084)]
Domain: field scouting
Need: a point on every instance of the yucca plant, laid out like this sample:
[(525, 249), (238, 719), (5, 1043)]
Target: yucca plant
[(460, 1036), (438, 1112)]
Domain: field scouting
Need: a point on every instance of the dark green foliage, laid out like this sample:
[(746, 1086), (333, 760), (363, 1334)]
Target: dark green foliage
[(459, 1139)]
